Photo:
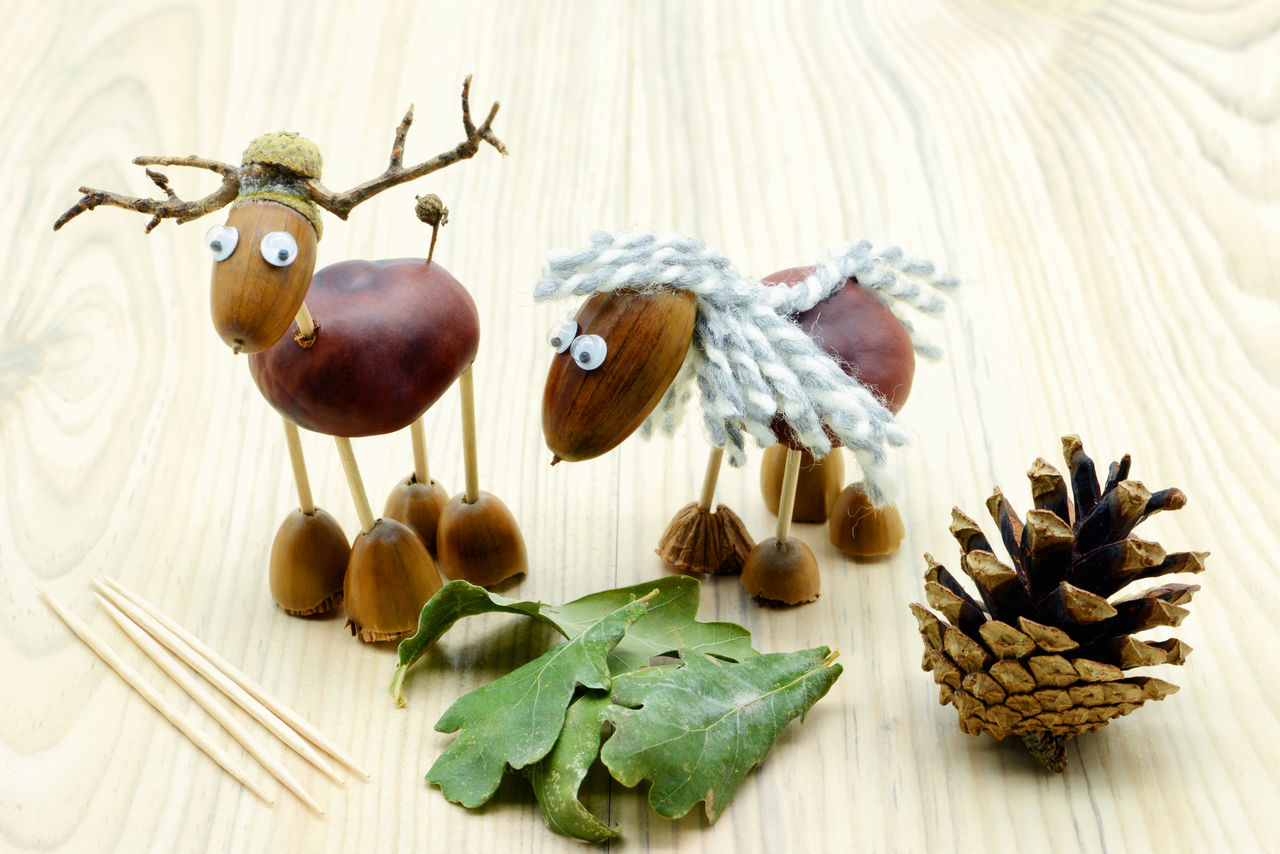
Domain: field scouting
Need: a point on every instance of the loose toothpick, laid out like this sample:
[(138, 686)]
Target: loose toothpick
[(149, 693), (289, 716), (216, 710), (214, 676)]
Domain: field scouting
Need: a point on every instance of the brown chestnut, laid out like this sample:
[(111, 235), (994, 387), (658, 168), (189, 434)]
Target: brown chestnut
[(860, 333), (393, 335)]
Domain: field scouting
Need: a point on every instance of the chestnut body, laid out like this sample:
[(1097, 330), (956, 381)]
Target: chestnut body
[(393, 335), (863, 335)]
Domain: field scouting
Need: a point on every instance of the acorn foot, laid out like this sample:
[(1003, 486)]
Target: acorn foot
[(856, 528), (390, 576), (480, 541), (308, 561), (418, 506), (781, 572)]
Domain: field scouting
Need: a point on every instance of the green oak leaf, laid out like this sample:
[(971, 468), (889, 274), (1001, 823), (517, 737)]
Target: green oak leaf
[(451, 603), (669, 625), (516, 719), (558, 776), (696, 729)]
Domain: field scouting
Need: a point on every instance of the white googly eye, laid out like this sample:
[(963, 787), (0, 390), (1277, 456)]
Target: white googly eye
[(562, 335), (221, 240), (588, 351), (279, 248)]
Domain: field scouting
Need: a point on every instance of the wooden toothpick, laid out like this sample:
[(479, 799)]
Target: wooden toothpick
[(294, 441), (149, 693), (219, 680), (289, 716), (418, 435), (363, 509), (216, 710), (787, 501), (710, 478), (467, 390)]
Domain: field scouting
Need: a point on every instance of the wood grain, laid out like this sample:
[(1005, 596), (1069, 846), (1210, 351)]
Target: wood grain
[(1102, 174)]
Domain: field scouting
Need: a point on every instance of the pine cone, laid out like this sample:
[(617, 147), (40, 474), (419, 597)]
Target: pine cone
[(1042, 652)]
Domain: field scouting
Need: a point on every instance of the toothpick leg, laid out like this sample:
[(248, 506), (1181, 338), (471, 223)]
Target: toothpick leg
[(787, 500), (305, 501), (467, 391), (355, 483)]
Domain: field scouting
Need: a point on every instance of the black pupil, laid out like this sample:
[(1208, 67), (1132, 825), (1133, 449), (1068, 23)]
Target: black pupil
[(216, 246), (283, 254)]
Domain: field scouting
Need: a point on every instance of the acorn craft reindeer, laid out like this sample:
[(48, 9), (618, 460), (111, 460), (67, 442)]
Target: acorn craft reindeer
[(374, 345), (810, 358)]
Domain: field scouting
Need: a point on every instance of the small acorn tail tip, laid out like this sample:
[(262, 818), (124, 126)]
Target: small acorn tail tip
[(555, 458)]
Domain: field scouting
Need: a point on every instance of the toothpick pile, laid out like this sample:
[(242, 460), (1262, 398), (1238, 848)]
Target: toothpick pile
[(165, 642)]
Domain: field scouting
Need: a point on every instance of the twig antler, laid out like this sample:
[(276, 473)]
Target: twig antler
[(340, 204), (171, 207), (233, 178)]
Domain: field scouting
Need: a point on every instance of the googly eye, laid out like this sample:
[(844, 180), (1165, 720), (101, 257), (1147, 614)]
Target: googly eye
[(562, 335), (588, 351), (221, 240), (279, 248)]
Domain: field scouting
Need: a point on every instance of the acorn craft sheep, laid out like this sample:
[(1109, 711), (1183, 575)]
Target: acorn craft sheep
[(374, 345), (810, 358)]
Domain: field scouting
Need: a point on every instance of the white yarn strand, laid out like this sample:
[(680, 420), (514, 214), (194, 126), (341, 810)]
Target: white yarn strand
[(749, 360)]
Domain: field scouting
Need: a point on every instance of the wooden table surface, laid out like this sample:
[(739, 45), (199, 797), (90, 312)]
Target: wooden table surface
[(1103, 175)]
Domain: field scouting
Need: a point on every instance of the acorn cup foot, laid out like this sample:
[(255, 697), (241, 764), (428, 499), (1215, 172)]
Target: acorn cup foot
[(418, 506), (308, 561), (480, 541), (780, 573), (390, 576), (858, 529)]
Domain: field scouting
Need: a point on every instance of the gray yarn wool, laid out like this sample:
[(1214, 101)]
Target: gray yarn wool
[(748, 359)]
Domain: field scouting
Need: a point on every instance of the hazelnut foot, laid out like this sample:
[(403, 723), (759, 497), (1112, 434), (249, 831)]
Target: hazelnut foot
[(390, 576), (705, 541), (816, 489), (308, 561), (418, 506), (480, 542), (856, 528), (781, 572)]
